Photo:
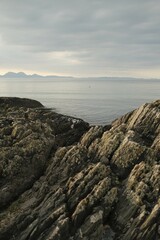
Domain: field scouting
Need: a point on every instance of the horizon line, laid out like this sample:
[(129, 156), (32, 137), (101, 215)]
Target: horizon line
[(70, 76)]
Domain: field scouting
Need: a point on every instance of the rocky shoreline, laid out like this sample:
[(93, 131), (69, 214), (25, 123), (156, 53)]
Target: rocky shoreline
[(63, 179)]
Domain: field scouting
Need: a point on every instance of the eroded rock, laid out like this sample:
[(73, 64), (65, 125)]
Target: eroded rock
[(60, 179)]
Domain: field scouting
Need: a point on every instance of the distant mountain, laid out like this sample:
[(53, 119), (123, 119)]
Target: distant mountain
[(24, 75), (14, 75)]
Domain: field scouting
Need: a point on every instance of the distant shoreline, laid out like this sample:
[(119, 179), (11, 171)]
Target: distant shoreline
[(24, 75)]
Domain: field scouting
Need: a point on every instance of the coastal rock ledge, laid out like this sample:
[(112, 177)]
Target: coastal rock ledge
[(63, 179)]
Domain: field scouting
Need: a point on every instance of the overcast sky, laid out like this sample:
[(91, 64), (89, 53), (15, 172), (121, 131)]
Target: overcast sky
[(81, 37)]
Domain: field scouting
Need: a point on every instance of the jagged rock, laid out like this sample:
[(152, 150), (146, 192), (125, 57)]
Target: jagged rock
[(61, 179)]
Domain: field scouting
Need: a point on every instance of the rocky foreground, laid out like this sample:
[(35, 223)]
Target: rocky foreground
[(62, 179)]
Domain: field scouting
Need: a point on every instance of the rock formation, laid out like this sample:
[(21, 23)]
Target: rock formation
[(63, 179)]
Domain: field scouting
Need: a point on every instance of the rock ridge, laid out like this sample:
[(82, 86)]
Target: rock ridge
[(63, 179)]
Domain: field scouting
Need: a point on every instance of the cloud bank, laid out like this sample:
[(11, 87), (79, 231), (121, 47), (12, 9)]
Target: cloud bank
[(81, 38)]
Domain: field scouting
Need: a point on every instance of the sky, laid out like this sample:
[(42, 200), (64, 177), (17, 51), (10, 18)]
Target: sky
[(119, 38)]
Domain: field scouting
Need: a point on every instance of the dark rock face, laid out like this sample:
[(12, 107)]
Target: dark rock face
[(19, 102), (61, 179)]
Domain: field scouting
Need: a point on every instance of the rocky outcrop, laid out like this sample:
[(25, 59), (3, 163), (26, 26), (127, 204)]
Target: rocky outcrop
[(61, 179)]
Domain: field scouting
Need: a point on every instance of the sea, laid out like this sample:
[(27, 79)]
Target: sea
[(96, 100)]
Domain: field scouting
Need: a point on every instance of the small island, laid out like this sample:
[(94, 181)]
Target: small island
[(61, 178)]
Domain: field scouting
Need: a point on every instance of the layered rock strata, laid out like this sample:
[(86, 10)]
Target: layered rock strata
[(63, 179)]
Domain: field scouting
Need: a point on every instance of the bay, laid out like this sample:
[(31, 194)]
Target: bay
[(98, 101)]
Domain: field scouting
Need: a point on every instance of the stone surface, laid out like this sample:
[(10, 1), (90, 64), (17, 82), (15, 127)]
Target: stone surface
[(61, 179)]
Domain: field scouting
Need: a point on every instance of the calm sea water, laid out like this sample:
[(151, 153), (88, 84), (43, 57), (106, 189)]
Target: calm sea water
[(98, 101)]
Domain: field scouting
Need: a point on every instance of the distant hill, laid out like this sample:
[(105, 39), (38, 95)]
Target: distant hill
[(34, 76), (14, 75), (24, 75)]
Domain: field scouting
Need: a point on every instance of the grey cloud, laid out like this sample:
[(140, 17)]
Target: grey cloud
[(99, 34)]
